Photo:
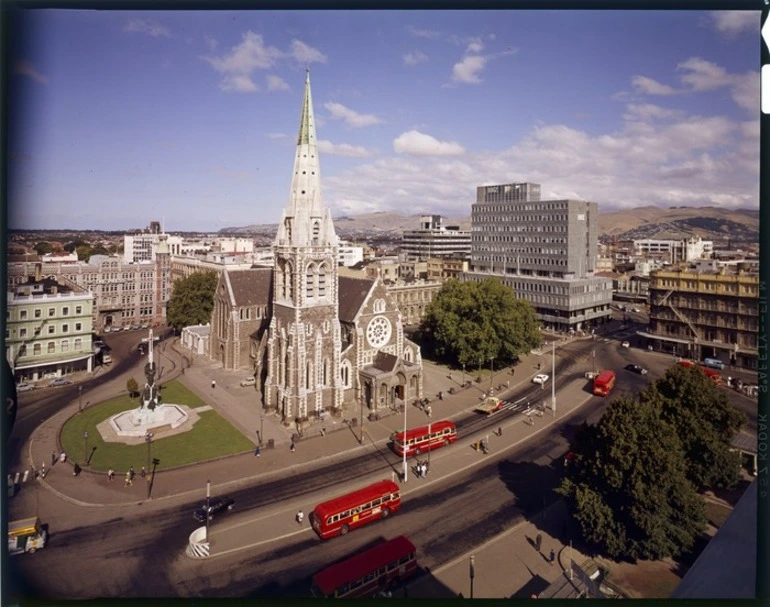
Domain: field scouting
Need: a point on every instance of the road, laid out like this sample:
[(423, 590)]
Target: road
[(139, 551)]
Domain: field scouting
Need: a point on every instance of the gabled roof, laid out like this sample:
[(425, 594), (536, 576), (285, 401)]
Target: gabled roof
[(385, 362), (352, 295), (252, 287)]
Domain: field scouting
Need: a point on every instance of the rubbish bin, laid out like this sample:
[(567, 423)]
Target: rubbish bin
[(270, 443)]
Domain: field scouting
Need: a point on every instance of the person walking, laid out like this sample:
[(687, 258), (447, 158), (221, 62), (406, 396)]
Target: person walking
[(128, 479), (538, 542), (143, 473), (110, 475), (257, 451), (300, 517), (293, 446), (213, 383), (552, 557), (76, 470)]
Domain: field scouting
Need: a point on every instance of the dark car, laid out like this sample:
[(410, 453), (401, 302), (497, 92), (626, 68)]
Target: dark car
[(216, 505), (636, 369)]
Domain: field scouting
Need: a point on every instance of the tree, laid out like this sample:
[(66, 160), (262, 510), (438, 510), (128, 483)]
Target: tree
[(705, 422), (84, 252), (43, 248), (133, 387), (192, 300), (627, 486), (467, 323)]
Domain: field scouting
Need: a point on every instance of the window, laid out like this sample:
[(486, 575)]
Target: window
[(51, 312), (51, 347), (65, 328), (23, 351), (38, 312), (78, 344), (22, 315), (65, 311), (51, 329), (36, 349), (65, 345), (22, 332), (78, 326)]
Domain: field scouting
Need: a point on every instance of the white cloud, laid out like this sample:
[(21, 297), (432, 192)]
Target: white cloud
[(25, 68), (467, 71), (211, 43), (276, 135), (276, 83), (732, 23), (244, 58), (420, 144), (352, 118), (647, 111), (415, 57), (343, 149), (424, 33), (651, 87), (475, 46), (703, 75), (306, 54), (238, 83), (144, 26)]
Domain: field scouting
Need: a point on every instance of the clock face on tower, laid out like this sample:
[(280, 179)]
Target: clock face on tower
[(378, 332)]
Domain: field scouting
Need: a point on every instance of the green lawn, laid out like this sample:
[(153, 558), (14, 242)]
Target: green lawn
[(717, 513), (210, 437)]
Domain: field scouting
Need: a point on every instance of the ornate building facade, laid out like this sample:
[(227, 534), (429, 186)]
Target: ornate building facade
[(316, 341)]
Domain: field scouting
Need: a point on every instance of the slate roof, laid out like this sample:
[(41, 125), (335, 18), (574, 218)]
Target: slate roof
[(385, 362), (352, 294), (253, 287)]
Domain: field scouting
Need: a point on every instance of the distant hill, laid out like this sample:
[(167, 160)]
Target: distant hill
[(710, 223)]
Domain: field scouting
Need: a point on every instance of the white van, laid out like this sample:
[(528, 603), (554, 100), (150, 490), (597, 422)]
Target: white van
[(714, 363)]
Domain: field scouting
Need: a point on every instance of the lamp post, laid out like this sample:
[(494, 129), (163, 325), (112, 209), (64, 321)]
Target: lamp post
[(593, 358), (85, 449), (148, 440), (208, 500), (261, 428), (472, 572), (361, 438), (553, 378), (80, 399), (463, 374), (406, 476)]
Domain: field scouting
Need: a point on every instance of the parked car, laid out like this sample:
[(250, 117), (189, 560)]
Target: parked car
[(106, 359), (24, 387), (635, 310), (248, 381), (591, 374), (107, 330), (540, 378), (60, 382), (216, 506), (625, 344), (636, 369)]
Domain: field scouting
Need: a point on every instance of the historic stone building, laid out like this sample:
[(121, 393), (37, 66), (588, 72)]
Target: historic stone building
[(315, 340)]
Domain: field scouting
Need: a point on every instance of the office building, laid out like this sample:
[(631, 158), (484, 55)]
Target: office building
[(433, 239), (545, 250)]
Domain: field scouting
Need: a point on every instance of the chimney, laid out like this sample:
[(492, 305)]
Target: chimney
[(38, 272)]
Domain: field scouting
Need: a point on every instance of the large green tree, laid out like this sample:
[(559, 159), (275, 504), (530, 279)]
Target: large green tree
[(705, 422), (468, 323), (627, 486), (192, 300)]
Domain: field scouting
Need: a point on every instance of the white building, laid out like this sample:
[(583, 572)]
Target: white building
[(675, 250), (234, 246), (143, 247), (433, 239), (350, 254)]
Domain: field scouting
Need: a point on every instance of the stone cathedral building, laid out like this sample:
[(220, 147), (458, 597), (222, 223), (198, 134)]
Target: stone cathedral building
[(315, 340)]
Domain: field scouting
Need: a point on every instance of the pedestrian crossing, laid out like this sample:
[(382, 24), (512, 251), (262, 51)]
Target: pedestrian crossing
[(197, 550)]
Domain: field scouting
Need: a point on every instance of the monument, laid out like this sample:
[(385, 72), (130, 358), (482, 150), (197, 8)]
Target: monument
[(151, 413)]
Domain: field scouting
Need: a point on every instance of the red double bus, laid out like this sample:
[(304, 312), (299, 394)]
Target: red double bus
[(714, 376), (364, 574), (604, 383), (425, 438), (341, 514)]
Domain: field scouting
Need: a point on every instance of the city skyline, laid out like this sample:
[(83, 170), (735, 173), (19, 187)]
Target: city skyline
[(125, 117)]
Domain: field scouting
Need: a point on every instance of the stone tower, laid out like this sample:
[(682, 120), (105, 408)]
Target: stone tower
[(304, 341)]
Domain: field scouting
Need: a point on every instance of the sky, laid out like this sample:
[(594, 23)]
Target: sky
[(191, 118)]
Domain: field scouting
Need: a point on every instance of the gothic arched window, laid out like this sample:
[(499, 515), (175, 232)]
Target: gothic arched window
[(309, 280), (316, 231), (322, 280)]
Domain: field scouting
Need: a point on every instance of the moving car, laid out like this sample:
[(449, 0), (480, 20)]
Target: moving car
[(248, 381), (540, 378), (591, 374), (636, 369), (216, 505), (60, 382), (24, 387)]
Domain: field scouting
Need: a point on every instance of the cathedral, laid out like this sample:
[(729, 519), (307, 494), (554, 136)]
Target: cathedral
[(315, 341)]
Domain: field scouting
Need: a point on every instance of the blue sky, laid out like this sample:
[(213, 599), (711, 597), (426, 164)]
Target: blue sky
[(120, 118)]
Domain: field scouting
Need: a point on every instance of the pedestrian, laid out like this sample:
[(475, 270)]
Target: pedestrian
[(110, 475), (76, 470), (63, 457), (424, 469), (538, 541), (53, 458), (128, 479), (257, 451), (131, 473), (213, 384), (552, 556), (323, 431), (293, 446), (42, 471), (300, 517), (143, 473)]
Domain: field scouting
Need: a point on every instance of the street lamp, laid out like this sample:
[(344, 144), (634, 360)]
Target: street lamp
[(148, 440), (80, 399), (553, 378), (208, 501), (472, 572), (261, 428), (406, 476), (463, 374), (85, 450)]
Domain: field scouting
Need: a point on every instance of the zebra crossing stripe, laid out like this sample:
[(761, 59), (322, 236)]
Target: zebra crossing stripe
[(198, 551)]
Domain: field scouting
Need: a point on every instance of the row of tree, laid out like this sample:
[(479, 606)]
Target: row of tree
[(83, 248), (632, 482)]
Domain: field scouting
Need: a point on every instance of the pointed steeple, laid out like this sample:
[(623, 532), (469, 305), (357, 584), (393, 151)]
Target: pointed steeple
[(305, 222)]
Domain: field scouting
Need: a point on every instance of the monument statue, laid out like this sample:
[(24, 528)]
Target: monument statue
[(150, 392)]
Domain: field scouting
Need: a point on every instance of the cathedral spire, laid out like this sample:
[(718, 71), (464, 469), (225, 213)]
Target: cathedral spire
[(305, 222)]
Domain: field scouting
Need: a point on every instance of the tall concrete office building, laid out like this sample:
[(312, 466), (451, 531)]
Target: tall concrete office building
[(545, 250), (433, 239)]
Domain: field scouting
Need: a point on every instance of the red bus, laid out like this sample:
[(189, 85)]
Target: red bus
[(714, 376), (341, 514), (604, 383), (425, 438), (364, 574)]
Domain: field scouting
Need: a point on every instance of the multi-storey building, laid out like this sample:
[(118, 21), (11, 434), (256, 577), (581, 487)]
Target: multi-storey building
[(413, 298), (433, 239), (706, 314), (48, 328), (444, 268), (143, 247), (674, 251), (123, 293), (350, 254), (545, 250)]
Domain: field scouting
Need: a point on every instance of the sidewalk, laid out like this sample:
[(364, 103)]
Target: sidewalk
[(503, 566)]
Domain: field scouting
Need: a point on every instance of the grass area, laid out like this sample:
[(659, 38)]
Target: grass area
[(210, 437), (717, 514)]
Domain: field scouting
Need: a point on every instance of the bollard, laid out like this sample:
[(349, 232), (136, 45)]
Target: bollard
[(25, 477)]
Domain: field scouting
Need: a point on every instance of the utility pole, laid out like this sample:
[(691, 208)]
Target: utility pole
[(208, 512), (472, 572), (553, 378), (406, 476)]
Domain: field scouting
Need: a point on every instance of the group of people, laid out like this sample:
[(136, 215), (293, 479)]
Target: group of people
[(422, 469), (130, 475)]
